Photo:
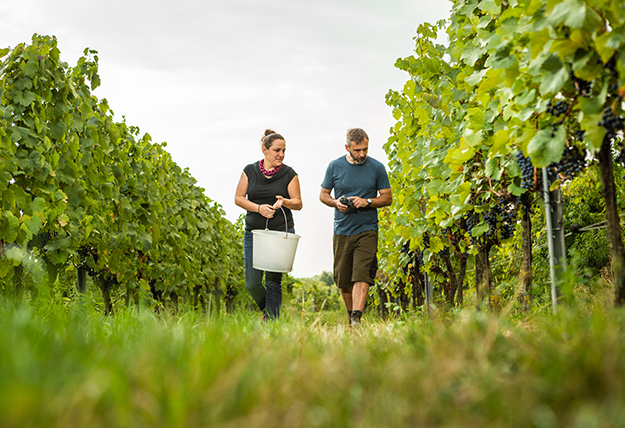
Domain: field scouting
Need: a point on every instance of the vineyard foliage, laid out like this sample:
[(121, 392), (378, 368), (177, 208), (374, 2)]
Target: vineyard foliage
[(80, 190), (521, 85)]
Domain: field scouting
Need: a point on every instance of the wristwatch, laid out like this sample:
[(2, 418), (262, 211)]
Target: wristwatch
[(368, 202)]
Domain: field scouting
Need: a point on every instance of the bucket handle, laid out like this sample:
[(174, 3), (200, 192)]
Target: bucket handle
[(286, 230)]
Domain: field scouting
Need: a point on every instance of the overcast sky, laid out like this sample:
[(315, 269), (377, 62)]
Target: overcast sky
[(208, 77)]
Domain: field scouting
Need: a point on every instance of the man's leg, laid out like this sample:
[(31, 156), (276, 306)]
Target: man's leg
[(347, 294), (359, 299), (364, 260), (343, 271)]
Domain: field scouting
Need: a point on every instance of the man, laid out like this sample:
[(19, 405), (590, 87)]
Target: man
[(356, 179)]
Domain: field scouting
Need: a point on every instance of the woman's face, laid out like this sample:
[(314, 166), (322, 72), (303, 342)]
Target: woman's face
[(274, 155)]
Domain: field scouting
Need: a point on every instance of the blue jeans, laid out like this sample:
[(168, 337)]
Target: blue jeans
[(267, 297)]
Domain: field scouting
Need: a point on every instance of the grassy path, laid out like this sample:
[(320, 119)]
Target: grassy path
[(77, 368)]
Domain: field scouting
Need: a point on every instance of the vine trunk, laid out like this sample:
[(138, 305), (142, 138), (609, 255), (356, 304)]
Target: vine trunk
[(613, 220)]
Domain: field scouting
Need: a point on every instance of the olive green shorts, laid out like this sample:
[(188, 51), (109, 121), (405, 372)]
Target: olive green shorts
[(355, 258)]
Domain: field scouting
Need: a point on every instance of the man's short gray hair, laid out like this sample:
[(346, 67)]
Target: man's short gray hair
[(357, 135)]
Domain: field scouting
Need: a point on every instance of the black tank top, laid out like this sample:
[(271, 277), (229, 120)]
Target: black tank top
[(263, 190)]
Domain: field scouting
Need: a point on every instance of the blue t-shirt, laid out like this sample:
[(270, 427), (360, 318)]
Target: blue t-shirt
[(363, 181)]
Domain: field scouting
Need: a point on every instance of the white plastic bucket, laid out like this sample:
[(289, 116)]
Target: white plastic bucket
[(273, 250)]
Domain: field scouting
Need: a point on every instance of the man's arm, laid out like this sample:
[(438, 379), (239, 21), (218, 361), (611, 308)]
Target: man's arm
[(383, 200), (327, 199)]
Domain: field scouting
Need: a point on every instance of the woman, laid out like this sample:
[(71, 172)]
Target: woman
[(265, 187)]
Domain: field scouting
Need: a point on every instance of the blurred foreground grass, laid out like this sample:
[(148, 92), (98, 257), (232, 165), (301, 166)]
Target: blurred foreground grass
[(74, 367)]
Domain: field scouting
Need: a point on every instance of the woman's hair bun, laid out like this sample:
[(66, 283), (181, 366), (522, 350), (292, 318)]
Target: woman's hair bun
[(269, 137)]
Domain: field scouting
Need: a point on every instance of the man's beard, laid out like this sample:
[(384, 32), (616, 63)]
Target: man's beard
[(356, 161)]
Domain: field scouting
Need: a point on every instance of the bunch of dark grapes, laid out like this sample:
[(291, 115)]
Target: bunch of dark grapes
[(471, 220), (583, 87), (527, 170), (507, 229), (507, 210), (444, 252), (557, 109), (84, 251), (490, 217), (572, 163), (612, 123), (503, 214)]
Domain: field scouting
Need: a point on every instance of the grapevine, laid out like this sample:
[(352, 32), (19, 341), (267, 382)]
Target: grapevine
[(87, 191), (470, 109)]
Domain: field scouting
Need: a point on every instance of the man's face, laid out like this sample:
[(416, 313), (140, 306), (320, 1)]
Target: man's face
[(358, 151)]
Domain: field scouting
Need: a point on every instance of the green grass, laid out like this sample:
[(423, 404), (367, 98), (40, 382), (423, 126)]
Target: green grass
[(63, 366)]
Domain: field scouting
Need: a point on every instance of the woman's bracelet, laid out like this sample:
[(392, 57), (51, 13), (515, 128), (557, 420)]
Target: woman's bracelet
[(258, 208)]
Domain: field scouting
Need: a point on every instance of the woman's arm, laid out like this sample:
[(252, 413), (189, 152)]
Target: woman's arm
[(295, 202), (241, 200)]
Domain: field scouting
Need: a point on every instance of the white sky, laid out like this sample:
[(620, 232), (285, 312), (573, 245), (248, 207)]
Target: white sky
[(208, 77)]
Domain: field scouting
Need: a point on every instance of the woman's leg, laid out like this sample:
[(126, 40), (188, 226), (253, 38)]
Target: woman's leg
[(253, 277), (273, 281)]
